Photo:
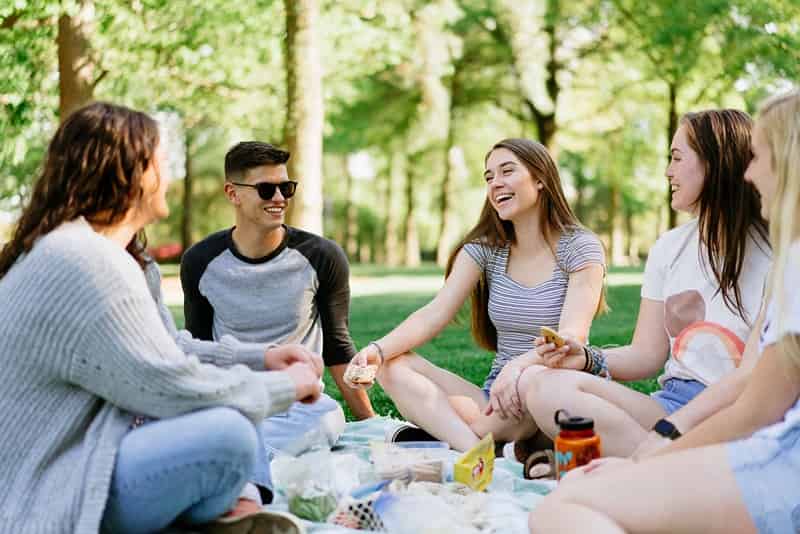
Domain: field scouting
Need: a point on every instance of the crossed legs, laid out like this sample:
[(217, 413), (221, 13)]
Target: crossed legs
[(444, 404), (622, 416)]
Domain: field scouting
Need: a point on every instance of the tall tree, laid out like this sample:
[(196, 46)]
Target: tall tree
[(77, 69), (304, 124), (542, 49), (696, 49), (350, 210)]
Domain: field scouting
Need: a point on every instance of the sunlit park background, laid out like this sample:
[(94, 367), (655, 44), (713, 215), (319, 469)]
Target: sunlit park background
[(389, 107)]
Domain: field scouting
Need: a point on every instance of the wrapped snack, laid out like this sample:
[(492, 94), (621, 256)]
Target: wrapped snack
[(476, 466), (313, 483), (361, 375), (431, 461)]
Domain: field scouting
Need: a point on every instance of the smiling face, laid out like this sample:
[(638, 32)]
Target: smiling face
[(686, 173), (251, 210), (510, 188), (760, 172)]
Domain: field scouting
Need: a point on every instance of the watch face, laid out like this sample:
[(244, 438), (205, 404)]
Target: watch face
[(666, 429)]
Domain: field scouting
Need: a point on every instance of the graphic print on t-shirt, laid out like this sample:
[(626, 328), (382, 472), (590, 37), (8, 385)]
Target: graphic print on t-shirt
[(684, 319)]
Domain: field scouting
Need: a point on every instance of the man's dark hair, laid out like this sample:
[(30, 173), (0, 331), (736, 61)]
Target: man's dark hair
[(249, 155)]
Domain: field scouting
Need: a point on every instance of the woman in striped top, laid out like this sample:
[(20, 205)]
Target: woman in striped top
[(527, 263)]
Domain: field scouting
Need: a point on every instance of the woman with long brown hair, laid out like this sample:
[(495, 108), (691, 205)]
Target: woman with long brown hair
[(701, 295), (106, 422), (737, 471), (527, 263)]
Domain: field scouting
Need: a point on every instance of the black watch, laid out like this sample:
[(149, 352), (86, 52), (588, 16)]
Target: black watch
[(666, 429)]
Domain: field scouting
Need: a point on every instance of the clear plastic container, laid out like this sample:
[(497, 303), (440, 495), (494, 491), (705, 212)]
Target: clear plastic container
[(422, 445)]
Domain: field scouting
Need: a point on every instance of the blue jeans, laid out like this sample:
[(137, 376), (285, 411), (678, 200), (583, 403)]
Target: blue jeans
[(282, 431), (190, 467)]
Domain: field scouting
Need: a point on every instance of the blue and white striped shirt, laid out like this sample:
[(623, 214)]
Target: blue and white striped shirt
[(517, 311)]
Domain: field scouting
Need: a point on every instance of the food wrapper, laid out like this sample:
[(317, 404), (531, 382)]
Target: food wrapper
[(476, 466)]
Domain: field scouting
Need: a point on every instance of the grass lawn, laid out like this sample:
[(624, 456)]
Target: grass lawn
[(372, 316)]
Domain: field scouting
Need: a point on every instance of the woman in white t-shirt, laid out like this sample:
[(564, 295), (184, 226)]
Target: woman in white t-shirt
[(736, 472), (701, 296)]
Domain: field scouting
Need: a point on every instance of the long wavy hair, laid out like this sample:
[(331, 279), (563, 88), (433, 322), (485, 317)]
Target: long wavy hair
[(555, 217), (779, 121), (93, 168), (729, 207)]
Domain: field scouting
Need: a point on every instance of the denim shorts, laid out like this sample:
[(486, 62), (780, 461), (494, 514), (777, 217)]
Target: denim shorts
[(487, 384), (767, 469), (676, 393)]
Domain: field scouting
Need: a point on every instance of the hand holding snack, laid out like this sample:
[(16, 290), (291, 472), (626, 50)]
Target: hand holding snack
[(559, 351), (551, 336), (360, 376), (362, 369)]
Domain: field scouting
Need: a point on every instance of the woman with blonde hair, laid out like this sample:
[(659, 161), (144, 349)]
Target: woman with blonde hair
[(527, 263), (738, 470)]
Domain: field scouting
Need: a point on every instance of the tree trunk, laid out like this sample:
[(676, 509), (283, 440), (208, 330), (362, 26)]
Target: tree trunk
[(351, 214), (631, 240), (580, 186), (445, 206), (412, 255), (545, 121), (76, 78), (616, 243), (304, 123), (672, 125), (188, 186), (397, 169)]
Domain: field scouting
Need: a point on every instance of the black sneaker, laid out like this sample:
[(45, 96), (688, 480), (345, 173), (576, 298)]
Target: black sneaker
[(409, 432)]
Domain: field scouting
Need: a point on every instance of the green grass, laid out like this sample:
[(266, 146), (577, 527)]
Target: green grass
[(374, 315)]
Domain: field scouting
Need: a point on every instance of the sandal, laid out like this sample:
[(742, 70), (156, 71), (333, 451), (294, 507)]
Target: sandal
[(261, 522), (543, 465)]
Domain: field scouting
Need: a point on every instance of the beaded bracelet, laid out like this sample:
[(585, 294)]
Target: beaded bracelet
[(598, 365), (587, 360)]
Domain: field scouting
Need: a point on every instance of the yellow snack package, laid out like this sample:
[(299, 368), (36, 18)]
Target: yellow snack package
[(475, 467)]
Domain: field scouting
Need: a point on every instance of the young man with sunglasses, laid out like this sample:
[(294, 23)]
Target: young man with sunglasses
[(266, 283)]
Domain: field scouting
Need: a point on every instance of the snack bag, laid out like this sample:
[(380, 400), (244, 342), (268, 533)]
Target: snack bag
[(476, 466)]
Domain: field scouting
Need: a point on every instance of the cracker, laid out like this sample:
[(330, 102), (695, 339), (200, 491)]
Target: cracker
[(551, 336), (361, 375)]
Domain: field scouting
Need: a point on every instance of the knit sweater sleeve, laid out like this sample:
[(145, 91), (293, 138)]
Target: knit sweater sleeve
[(126, 356), (226, 352)]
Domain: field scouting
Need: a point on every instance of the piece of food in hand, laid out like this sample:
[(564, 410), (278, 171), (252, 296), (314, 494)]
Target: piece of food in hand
[(360, 375), (551, 336)]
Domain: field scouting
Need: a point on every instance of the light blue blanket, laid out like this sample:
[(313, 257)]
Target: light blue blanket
[(509, 490)]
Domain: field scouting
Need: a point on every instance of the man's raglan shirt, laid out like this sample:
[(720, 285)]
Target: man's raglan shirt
[(300, 293)]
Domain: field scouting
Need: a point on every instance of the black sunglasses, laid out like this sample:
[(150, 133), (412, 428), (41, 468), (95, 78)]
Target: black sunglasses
[(266, 190)]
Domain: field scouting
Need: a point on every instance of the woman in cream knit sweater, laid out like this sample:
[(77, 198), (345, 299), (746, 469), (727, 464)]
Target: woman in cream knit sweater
[(85, 357)]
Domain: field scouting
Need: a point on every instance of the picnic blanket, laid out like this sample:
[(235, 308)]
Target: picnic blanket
[(508, 500)]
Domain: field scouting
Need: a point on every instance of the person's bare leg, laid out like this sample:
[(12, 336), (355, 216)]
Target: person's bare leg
[(689, 491), (510, 429), (622, 416), (422, 393)]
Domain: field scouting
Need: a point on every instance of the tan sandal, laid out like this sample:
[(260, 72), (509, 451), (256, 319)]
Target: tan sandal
[(261, 522), (543, 465)]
